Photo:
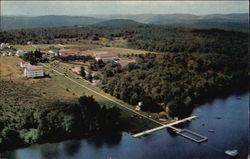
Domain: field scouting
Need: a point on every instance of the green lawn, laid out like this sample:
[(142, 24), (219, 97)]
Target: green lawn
[(24, 47), (117, 50)]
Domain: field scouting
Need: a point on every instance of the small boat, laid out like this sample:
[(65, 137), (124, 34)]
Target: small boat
[(212, 131), (203, 124), (232, 153)]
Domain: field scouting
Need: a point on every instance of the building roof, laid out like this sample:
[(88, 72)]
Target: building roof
[(25, 62), (69, 51), (76, 69), (106, 55), (101, 52), (32, 68)]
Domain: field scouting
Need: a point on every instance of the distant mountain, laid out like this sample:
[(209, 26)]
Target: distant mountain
[(222, 21), (115, 22), (181, 18), (238, 22), (16, 22)]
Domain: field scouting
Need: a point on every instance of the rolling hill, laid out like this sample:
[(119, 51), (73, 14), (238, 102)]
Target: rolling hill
[(234, 21), (181, 18), (15, 22), (116, 22)]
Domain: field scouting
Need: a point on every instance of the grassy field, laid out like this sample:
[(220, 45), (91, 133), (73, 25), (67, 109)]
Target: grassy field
[(46, 47), (58, 88), (87, 48), (24, 47)]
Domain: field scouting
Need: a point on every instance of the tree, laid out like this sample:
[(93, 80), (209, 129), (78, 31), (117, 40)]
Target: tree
[(82, 72), (30, 56), (38, 54), (89, 77)]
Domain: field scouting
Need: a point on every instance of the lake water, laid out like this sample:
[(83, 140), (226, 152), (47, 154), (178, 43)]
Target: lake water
[(230, 132)]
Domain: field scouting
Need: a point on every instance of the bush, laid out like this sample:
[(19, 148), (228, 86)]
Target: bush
[(31, 136)]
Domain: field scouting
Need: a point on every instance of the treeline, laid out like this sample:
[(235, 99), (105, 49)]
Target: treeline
[(191, 41), (175, 81), (34, 57), (161, 38), (27, 119)]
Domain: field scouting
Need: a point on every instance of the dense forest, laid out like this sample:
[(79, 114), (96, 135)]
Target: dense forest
[(26, 118), (175, 81), (161, 38)]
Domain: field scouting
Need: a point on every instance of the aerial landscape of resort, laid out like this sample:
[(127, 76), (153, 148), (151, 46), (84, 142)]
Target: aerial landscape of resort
[(124, 79)]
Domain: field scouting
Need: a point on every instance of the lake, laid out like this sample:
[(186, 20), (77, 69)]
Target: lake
[(230, 132)]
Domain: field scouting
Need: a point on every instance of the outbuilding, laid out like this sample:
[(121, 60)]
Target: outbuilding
[(24, 64), (106, 57), (34, 71)]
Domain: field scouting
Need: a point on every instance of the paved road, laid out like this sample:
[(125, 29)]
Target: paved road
[(104, 96)]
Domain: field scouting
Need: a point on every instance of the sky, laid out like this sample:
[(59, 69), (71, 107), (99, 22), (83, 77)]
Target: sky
[(35, 8)]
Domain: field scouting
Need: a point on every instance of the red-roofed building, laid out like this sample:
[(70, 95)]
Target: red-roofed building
[(34, 71), (96, 81), (67, 52), (106, 56), (24, 64)]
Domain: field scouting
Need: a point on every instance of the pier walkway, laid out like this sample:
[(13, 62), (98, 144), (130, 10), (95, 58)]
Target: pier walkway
[(193, 136), (164, 126)]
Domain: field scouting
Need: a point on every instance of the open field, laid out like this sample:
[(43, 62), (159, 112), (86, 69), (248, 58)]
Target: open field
[(10, 66), (115, 42), (11, 70), (46, 47), (61, 89), (81, 46), (87, 48), (117, 50), (24, 47)]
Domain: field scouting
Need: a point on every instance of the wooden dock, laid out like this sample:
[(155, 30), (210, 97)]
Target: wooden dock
[(177, 130), (164, 126), (202, 138)]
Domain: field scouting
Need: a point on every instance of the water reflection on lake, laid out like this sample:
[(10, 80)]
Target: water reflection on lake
[(227, 117)]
